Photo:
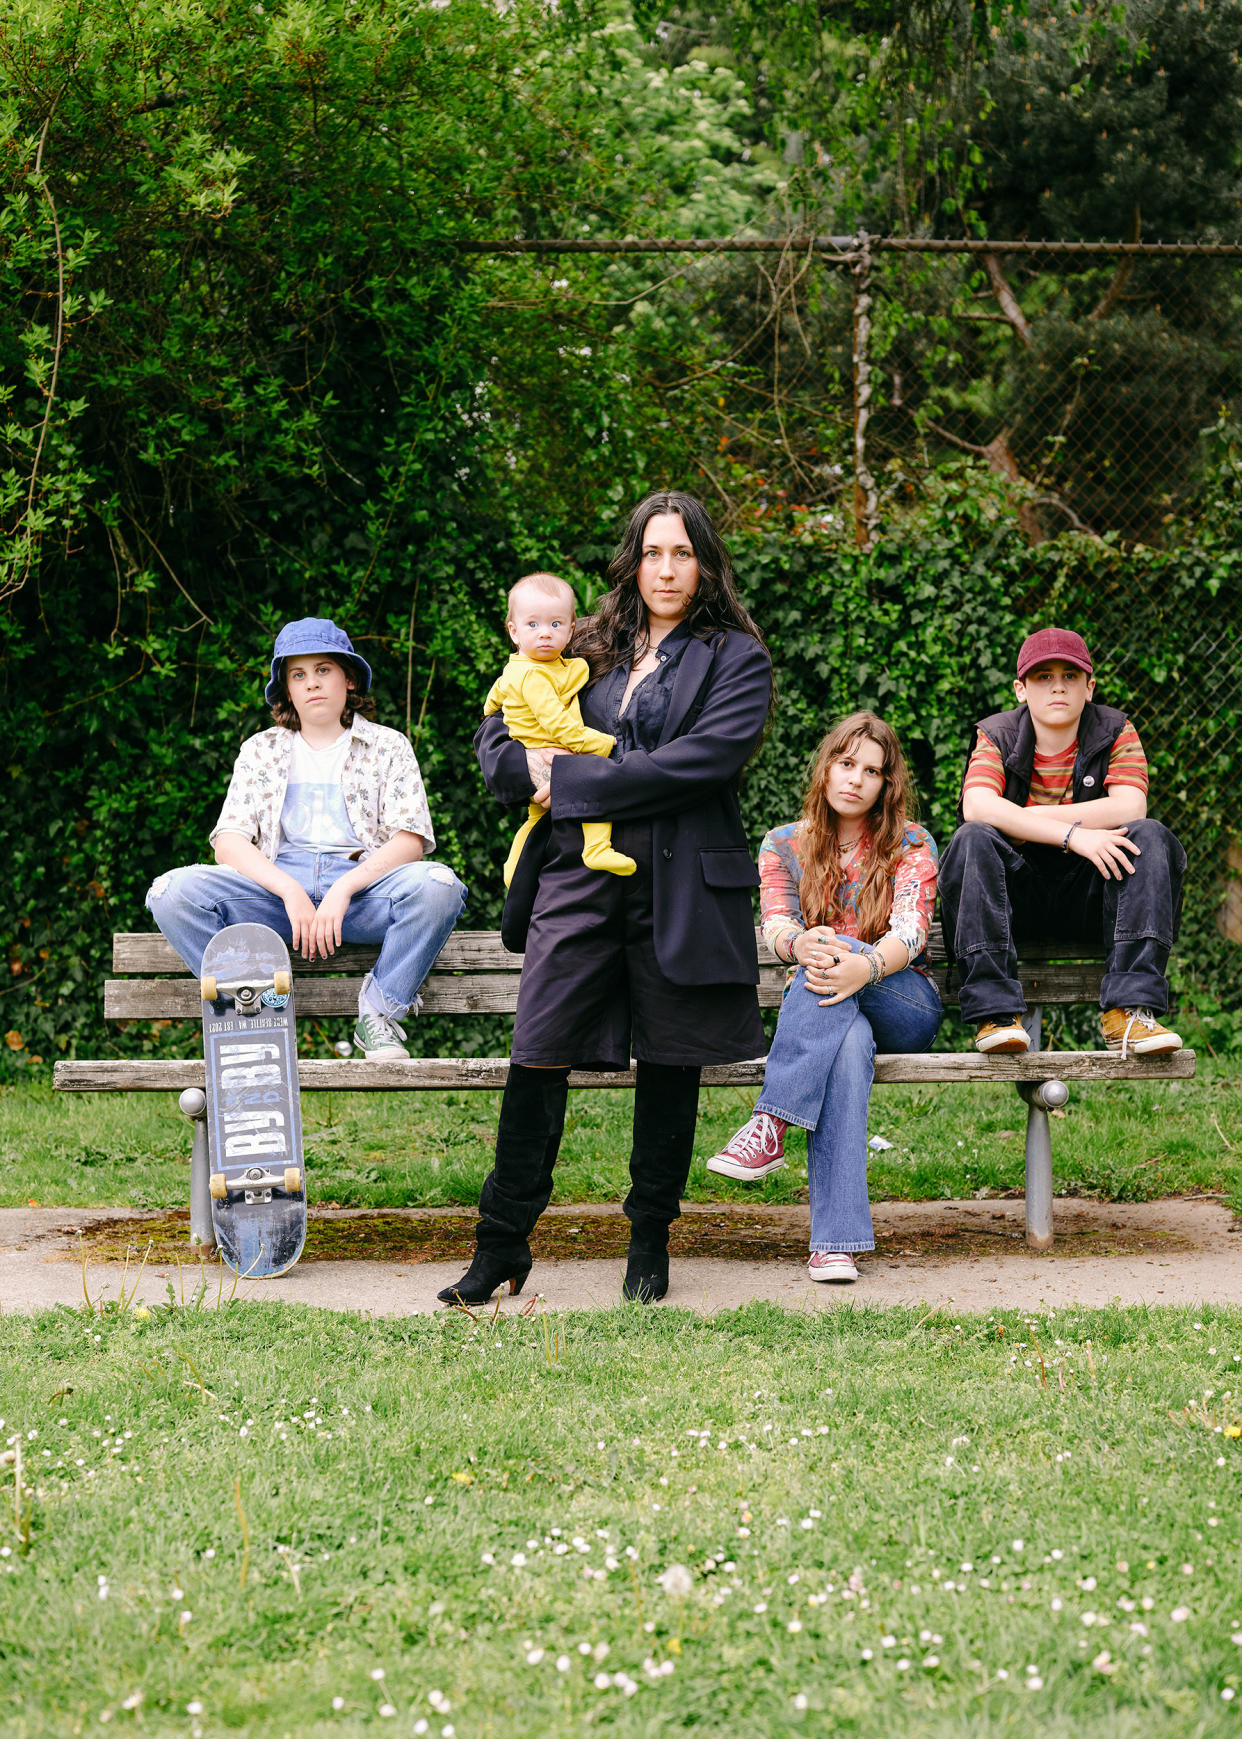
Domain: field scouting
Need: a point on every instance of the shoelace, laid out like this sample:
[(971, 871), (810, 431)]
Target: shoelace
[(756, 1139), (386, 1026), (1141, 1016)]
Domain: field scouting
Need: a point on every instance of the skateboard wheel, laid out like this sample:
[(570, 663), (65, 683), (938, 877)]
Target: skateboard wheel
[(282, 983), (208, 988), (219, 1188), (293, 1180)]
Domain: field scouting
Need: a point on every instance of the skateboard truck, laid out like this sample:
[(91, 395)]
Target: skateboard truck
[(249, 996), (257, 1183)]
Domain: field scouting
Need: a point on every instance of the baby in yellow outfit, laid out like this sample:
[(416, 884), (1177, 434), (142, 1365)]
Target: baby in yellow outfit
[(538, 694)]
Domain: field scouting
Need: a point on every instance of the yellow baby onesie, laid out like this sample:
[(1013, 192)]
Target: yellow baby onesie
[(539, 699)]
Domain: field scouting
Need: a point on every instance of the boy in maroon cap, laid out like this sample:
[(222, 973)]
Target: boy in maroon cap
[(1054, 841)]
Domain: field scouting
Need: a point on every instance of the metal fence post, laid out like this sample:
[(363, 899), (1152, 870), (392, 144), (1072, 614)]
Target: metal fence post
[(866, 505)]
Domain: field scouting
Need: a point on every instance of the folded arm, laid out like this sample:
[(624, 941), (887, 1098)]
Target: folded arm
[(1047, 824), (653, 782)]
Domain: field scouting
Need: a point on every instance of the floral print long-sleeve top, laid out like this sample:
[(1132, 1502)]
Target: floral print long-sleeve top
[(914, 890)]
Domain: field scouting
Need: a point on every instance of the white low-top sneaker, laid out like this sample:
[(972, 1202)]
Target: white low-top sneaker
[(832, 1265)]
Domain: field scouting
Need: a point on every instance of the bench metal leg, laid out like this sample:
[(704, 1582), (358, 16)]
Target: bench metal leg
[(1041, 1097), (193, 1103)]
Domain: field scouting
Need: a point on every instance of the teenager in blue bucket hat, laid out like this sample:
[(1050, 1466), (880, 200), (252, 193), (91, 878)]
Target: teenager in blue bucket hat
[(325, 836), (310, 634)]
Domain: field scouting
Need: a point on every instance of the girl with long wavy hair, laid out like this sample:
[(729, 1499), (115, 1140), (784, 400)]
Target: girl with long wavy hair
[(659, 965), (847, 894)]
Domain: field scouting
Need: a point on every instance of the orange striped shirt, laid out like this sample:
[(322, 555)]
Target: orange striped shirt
[(1053, 775)]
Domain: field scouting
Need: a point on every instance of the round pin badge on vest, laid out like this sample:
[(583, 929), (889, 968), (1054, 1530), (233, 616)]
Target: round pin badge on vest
[(1089, 779)]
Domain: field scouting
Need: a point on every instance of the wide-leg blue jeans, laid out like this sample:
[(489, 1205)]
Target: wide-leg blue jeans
[(410, 912), (819, 1075)]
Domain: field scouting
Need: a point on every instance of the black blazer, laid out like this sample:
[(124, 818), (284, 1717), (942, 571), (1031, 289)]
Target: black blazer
[(687, 788)]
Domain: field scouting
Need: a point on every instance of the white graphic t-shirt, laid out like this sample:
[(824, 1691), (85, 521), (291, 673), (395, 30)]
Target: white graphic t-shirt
[(314, 817)]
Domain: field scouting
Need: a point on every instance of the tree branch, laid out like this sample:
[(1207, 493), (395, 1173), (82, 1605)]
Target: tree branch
[(40, 181), (1121, 277), (1000, 458), (1064, 506), (1008, 301)]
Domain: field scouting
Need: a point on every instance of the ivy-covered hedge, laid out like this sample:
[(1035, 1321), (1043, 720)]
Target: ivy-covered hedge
[(114, 774)]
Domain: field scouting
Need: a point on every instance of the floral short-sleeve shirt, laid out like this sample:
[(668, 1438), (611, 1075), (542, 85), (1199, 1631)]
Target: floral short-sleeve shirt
[(382, 785)]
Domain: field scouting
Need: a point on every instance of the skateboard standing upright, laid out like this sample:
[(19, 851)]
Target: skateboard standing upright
[(254, 1111)]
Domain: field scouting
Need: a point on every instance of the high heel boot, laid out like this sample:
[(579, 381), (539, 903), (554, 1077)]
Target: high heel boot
[(646, 1264), (516, 1191), (486, 1272), (666, 1103)]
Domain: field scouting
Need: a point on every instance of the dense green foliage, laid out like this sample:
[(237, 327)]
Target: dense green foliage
[(1078, 120), (245, 375)]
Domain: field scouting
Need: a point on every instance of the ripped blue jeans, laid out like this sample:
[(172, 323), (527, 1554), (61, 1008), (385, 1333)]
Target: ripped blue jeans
[(819, 1075), (410, 912)]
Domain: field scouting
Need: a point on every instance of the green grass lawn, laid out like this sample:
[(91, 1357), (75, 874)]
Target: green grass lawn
[(1125, 1142), (275, 1521)]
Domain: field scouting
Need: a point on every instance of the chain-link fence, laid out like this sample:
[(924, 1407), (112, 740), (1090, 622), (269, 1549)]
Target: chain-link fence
[(1100, 388), (1086, 394)]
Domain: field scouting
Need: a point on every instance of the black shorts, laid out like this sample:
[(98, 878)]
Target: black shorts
[(592, 993)]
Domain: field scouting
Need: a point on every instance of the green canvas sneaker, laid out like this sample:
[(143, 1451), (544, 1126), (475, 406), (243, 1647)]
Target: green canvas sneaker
[(379, 1038)]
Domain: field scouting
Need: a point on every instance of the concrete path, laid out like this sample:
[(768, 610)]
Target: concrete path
[(965, 1256)]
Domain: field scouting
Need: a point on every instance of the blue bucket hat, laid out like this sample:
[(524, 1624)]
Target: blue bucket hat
[(308, 635)]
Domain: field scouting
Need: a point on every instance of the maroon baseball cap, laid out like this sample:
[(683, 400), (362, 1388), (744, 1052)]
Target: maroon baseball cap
[(1049, 643)]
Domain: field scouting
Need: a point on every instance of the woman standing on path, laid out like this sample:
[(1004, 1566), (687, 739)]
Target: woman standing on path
[(847, 897), (659, 965)]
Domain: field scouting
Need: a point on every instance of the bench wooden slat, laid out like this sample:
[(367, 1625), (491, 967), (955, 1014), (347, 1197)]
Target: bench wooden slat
[(496, 993), (178, 998), (465, 951), (355, 1075), (479, 993), (483, 951)]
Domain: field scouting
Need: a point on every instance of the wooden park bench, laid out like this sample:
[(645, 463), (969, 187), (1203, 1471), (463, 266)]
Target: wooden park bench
[(475, 975)]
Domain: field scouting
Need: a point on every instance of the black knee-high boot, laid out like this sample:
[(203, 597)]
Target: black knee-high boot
[(516, 1191), (666, 1104)]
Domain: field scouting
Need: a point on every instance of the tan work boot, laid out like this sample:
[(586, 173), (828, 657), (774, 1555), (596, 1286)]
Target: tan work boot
[(1006, 1035), (1137, 1030)]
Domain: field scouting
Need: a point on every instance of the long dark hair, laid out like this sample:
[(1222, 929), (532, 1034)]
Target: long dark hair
[(617, 632), (819, 890)]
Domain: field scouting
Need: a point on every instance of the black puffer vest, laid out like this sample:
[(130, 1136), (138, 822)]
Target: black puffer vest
[(1014, 735)]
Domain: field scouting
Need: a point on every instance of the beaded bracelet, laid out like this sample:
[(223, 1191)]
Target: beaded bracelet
[(786, 939), (876, 967)]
